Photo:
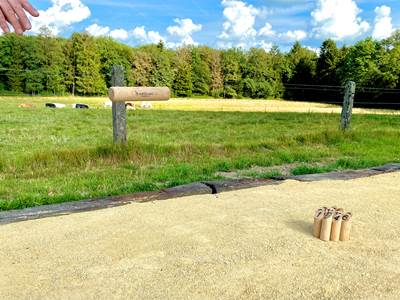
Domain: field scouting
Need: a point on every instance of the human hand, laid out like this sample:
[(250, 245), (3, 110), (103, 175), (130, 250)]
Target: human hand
[(14, 12)]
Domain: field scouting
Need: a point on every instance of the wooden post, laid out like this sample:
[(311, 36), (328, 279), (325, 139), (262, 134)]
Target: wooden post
[(118, 108), (348, 104)]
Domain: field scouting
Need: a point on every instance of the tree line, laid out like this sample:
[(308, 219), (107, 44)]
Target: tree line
[(81, 65)]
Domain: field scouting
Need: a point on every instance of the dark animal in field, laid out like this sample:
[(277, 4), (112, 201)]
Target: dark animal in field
[(24, 105), (55, 105), (80, 106), (50, 105), (130, 106)]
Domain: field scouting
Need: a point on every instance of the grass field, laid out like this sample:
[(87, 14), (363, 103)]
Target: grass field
[(50, 156)]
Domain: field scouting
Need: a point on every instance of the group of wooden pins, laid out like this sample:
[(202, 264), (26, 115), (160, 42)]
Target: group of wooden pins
[(332, 224)]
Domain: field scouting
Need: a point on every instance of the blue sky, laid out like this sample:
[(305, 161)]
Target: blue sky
[(223, 23)]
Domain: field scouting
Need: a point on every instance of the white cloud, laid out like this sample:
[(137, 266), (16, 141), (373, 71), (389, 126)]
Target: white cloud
[(119, 34), (184, 31), (60, 15), (266, 45), (383, 23), (154, 37), (293, 35), (316, 50), (289, 36), (267, 31), (140, 33), (185, 28), (97, 30), (151, 37), (240, 20), (338, 19), (239, 28)]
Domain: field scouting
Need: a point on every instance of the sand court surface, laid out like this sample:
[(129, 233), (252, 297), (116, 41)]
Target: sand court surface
[(248, 244)]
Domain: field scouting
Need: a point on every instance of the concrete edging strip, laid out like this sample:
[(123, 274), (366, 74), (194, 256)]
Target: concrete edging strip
[(197, 188)]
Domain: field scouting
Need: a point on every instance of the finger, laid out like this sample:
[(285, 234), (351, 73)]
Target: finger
[(23, 19), (3, 23), (11, 18), (30, 9)]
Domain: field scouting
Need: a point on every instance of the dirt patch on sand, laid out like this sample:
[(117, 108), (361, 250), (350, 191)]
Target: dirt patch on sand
[(247, 244)]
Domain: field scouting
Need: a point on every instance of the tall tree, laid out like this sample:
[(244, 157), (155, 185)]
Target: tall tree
[(232, 62), (201, 74), (303, 63), (108, 50), (113, 53), (142, 65), (183, 86), (161, 73), (89, 80), (217, 78), (261, 80), (53, 66), (69, 67), (390, 65), (34, 59), (5, 60), (362, 63), (16, 73), (327, 64)]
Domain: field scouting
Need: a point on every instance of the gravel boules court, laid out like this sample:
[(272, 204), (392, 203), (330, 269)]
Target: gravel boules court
[(250, 244)]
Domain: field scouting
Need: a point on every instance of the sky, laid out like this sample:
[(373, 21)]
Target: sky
[(222, 23)]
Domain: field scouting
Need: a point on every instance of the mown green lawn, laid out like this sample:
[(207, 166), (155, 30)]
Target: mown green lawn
[(50, 156)]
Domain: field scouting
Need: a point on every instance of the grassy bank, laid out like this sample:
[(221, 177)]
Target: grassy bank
[(49, 156)]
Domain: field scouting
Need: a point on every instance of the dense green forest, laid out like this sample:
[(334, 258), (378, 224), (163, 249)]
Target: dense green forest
[(81, 65)]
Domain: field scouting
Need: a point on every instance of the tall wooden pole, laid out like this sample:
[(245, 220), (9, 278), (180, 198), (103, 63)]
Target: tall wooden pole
[(118, 108), (348, 104)]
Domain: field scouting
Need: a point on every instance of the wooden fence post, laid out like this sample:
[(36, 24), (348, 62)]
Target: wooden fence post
[(348, 104), (118, 108)]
